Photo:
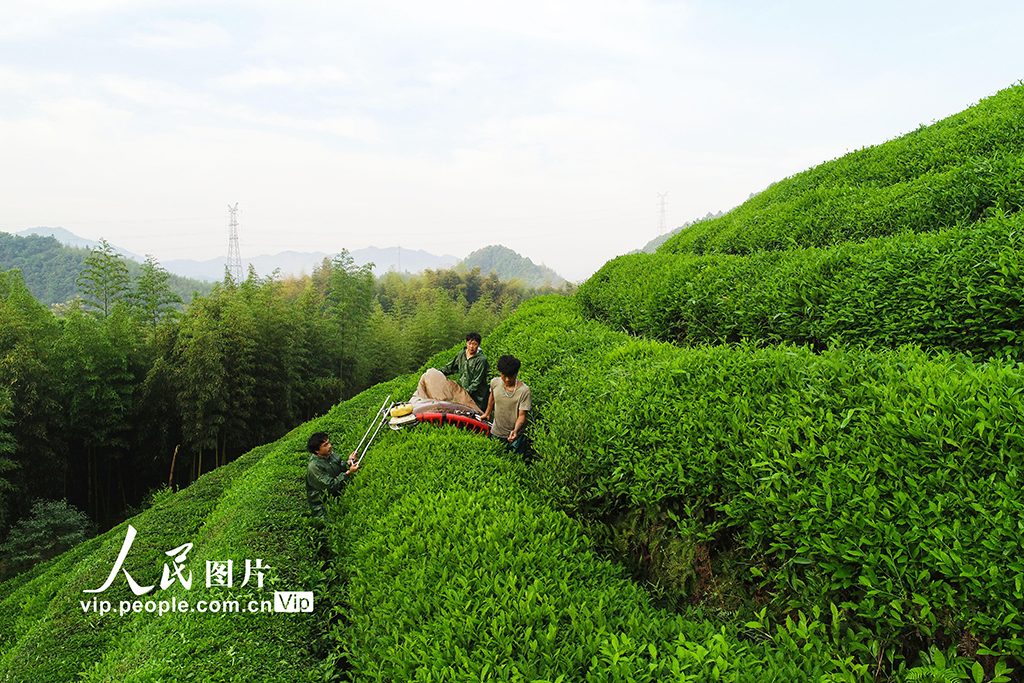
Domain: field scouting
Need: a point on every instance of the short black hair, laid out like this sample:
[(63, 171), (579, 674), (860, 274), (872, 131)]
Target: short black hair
[(474, 336), (509, 366), (316, 441)]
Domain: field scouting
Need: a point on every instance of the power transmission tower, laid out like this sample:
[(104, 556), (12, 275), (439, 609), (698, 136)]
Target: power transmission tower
[(662, 228), (234, 264)]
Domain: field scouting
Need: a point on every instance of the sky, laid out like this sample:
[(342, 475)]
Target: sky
[(548, 127)]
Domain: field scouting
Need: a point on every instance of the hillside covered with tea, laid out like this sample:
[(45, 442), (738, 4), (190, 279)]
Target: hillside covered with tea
[(788, 446)]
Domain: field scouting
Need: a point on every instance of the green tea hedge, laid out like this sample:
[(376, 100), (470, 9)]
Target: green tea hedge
[(886, 482), (959, 290), (455, 572)]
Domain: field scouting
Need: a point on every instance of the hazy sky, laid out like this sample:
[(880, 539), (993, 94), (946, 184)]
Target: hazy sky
[(549, 127)]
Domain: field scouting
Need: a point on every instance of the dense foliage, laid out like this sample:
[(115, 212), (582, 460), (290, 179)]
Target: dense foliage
[(52, 528), (808, 455), (451, 566), (958, 289), (50, 269), (251, 509), (882, 482), (450, 570)]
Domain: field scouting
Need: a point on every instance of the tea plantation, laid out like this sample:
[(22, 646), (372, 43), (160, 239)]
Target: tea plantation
[(787, 447)]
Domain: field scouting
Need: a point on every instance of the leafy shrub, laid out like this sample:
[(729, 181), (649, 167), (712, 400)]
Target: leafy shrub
[(455, 572), (52, 528), (958, 289), (881, 481)]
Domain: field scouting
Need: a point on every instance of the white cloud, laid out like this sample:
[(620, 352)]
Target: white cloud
[(274, 76), (354, 127), (621, 26), (154, 93), (596, 96), (179, 35), (28, 81), (25, 19), (449, 74)]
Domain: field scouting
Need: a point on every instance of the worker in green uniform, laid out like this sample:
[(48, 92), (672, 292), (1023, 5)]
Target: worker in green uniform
[(325, 473), (472, 367)]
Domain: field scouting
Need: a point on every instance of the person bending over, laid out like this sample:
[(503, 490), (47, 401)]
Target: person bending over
[(325, 473), (509, 402)]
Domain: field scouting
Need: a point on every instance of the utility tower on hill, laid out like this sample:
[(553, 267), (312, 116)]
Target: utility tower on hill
[(234, 264), (661, 213)]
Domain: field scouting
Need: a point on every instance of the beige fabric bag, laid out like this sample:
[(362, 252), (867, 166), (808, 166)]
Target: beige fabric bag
[(434, 386)]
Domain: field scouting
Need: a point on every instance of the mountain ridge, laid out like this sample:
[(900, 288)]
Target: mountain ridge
[(505, 262)]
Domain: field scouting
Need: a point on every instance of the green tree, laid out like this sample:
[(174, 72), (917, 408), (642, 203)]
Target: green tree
[(7, 448), (201, 374), (52, 528), (34, 422), (152, 297), (261, 364), (104, 280), (481, 316), (347, 309), (316, 385), (386, 352), (437, 323), (97, 383)]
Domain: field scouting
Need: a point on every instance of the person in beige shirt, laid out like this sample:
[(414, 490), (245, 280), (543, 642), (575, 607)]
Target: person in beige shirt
[(509, 401)]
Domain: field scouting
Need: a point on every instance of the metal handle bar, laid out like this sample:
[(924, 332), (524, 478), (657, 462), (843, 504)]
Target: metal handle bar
[(373, 422), (383, 419)]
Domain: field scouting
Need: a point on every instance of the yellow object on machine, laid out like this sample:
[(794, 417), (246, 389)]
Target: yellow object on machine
[(401, 410)]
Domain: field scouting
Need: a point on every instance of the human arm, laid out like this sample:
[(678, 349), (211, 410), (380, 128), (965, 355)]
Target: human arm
[(452, 367), (520, 425), (490, 407), (318, 477)]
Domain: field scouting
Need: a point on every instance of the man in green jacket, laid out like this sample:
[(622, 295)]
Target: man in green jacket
[(471, 366), (325, 473)]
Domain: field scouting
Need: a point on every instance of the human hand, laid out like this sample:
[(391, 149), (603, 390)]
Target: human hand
[(353, 468)]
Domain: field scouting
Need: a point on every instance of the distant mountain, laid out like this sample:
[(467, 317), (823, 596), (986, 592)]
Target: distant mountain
[(50, 268), (294, 263), (653, 245), (505, 262), (70, 239), (402, 260), (287, 262), (508, 264)]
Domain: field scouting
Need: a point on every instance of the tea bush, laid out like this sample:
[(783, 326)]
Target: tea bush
[(885, 482), (958, 289), (951, 173), (454, 572)]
